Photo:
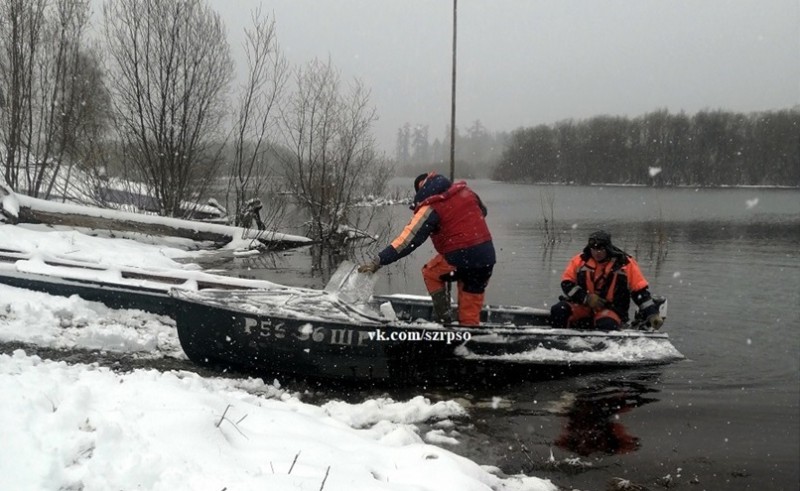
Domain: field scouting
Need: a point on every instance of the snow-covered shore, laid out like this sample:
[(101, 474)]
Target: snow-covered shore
[(83, 426)]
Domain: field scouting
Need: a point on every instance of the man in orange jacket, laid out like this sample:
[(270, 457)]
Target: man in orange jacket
[(453, 216), (598, 285)]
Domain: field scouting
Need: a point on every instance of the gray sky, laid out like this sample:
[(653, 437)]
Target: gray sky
[(527, 62)]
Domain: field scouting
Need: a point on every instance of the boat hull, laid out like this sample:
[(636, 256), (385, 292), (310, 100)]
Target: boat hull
[(265, 329), (271, 345), (270, 341), (113, 295)]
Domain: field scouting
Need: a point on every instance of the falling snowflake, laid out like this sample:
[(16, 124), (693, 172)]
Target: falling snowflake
[(751, 203), (496, 402), (654, 171)]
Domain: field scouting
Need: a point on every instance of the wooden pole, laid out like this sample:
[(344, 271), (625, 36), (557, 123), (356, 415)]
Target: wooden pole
[(453, 101)]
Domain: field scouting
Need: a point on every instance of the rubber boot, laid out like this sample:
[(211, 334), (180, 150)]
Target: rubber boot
[(441, 307), (469, 308), (560, 314)]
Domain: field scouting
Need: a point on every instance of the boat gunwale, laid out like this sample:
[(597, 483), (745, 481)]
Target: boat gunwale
[(496, 329)]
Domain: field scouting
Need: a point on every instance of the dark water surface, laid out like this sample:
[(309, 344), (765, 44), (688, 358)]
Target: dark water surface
[(726, 418)]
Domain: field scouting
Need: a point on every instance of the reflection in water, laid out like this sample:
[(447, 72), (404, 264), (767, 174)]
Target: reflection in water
[(592, 414), (547, 254)]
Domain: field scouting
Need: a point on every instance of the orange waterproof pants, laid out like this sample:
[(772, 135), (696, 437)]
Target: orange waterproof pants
[(581, 311), (469, 304)]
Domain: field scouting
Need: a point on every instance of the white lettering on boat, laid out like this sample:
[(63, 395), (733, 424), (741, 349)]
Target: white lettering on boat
[(249, 324), (266, 329), (364, 335), (316, 334), (342, 336)]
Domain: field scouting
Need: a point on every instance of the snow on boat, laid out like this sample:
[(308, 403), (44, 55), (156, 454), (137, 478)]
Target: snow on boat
[(120, 287), (390, 339)]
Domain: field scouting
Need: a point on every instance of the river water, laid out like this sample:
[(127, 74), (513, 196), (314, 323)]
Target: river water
[(726, 418)]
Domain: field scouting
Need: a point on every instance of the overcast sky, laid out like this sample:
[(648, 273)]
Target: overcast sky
[(527, 62)]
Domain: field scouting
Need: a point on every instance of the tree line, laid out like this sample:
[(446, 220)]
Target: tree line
[(711, 148), (153, 99), (477, 150)]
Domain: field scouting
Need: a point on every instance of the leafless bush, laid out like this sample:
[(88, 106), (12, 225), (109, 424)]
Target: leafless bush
[(547, 200), (250, 171), (51, 93), (171, 67), (332, 160)]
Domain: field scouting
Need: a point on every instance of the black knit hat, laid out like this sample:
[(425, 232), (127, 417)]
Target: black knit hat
[(418, 181), (600, 238)]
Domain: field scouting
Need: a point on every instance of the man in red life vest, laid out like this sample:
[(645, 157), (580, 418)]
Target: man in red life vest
[(599, 284), (453, 216)]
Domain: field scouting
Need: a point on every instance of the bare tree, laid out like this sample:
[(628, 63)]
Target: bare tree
[(86, 144), (267, 74), (19, 25), (45, 103), (172, 66), (332, 161)]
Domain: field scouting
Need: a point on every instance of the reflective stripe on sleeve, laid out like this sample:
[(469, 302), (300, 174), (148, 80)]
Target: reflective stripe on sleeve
[(407, 235)]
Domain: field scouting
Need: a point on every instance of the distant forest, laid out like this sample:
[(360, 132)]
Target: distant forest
[(477, 151), (711, 148)]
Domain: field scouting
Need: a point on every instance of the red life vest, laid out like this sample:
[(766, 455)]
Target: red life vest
[(613, 280), (461, 220)]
